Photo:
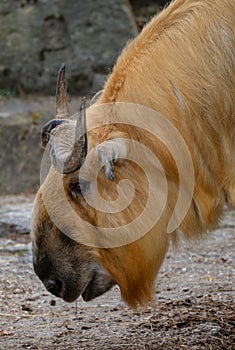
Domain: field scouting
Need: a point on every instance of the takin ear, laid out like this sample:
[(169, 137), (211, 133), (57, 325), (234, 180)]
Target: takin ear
[(109, 152)]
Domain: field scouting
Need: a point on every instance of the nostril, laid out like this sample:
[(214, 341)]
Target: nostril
[(54, 287), (50, 284)]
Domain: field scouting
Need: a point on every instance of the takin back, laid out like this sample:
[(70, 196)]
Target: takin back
[(180, 68)]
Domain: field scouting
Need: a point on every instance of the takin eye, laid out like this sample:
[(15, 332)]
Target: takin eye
[(79, 187)]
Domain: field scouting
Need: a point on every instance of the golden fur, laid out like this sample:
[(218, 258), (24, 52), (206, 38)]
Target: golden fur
[(181, 65)]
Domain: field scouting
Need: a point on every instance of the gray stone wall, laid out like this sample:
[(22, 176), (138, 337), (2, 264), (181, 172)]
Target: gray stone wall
[(21, 122), (36, 36)]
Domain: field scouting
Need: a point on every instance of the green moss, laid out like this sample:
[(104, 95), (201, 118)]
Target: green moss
[(7, 93)]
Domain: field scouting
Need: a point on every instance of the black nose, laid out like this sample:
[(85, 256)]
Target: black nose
[(54, 287)]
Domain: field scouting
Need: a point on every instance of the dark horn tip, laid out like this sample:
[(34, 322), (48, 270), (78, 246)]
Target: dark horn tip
[(83, 104), (62, 67), (61, 73)]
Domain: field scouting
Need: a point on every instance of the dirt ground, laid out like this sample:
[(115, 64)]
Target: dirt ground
[(194, 306)]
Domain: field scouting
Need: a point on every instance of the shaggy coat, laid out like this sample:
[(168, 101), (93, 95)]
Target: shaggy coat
[(182, 65)]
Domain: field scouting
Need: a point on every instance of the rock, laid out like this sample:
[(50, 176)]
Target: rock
[(20, 145), (146, 9), (20, 149), (35, 38), (15, 214)]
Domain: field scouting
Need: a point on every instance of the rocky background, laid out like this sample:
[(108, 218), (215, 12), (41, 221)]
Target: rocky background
[(36, 36)]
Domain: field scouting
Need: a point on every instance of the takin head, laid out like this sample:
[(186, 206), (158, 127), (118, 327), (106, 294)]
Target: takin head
[(72, 253)]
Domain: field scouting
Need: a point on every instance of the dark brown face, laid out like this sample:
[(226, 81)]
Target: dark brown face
[(66, 268)]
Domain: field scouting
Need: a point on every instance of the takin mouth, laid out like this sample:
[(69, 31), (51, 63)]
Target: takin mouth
[(88, 293), (99, 284)]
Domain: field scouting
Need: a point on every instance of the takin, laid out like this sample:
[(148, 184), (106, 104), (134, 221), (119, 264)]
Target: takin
[(180, 68)]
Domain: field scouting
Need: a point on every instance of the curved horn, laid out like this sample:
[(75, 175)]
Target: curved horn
[(68, 156), (96, 97), (79, 151), (62, 110)]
